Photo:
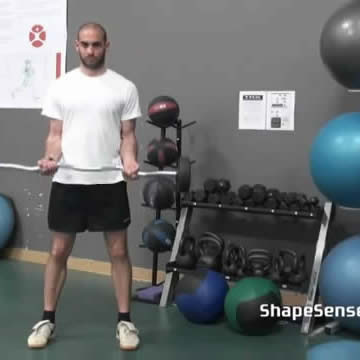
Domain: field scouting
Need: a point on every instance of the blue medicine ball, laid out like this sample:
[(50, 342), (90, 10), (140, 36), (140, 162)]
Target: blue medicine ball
[(7, 220), (339, 283), (159, 235), (200, 296), (334, 160), (336, 350)]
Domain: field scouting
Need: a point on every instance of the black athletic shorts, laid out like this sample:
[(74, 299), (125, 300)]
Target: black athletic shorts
[(77, 208)]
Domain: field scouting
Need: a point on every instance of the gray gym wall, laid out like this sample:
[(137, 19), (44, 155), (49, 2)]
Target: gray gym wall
[(201, 52)]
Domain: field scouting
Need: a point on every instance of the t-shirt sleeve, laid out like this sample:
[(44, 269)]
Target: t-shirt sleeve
[(131, 108), (51, 106)]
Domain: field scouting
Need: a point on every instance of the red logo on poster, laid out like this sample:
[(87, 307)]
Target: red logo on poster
[(37, 36)]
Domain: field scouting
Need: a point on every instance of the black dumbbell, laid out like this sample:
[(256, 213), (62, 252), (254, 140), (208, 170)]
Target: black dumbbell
[(210, 186), (259, 194), (302, 200), (214, 198), (283, 205), (223, 185), (290, 198), (245, 192), (314, 200), (272, 192), (272, 199), (238, 201), (188, 196), (200, 196), (294, 206), (249, 202), (228, 198)]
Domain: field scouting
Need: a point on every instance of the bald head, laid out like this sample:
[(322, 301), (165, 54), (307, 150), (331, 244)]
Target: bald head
[(93, 26)]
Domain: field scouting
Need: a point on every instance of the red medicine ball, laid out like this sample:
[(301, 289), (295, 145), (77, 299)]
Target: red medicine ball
[(164, 111), (162, 152)]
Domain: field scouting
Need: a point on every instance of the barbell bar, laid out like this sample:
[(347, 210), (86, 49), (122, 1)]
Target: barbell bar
[(182, 174)]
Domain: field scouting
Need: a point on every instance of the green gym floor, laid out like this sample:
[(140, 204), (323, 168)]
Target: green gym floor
[(86, 320)]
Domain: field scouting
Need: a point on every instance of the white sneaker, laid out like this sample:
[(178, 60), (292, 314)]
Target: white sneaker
[(128, 335), (43, 331)]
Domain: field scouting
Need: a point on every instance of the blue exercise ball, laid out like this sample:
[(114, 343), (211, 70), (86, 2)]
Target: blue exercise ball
[(200, 296), (7, 220), (334, 160), (339, 283), (336, 350)]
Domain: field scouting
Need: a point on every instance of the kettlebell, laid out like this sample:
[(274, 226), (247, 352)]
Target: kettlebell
[(276, 271), (230, 260), (240, 273), (210, 247), (186, 257), (259, 262), (298, 276), (288, 263)]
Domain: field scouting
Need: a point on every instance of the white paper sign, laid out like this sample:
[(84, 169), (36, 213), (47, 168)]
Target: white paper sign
[(280, 110), (33, 36), (252, 110), (267, 110)]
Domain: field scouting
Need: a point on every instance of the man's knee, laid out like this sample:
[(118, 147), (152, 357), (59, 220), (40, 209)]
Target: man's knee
[(119, 253), (61, 247), (117, 246)]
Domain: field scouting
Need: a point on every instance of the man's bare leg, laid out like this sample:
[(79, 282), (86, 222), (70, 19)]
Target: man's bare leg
[(55, 275), (121, 269), (56, 268)]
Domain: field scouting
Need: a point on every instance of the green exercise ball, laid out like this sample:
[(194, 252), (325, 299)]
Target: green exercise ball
[(243, 305)]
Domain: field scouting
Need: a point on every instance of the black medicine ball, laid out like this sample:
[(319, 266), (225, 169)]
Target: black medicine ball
[(159, 235), (159, 192), (163, 111), (162, 152)]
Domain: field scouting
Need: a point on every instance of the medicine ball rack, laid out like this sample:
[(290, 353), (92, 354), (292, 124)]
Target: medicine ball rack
[(324, 218), (178, 126)]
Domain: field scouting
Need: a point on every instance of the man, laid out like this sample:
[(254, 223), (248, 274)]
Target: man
[(92, 112)]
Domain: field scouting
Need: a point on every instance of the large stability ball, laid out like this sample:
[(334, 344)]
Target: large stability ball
[(7, 220), (339, 283), (200, 296), (339, 45), (334, 160), (243, 305), (341, 349)]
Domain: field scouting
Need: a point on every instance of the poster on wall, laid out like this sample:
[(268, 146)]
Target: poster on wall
[(33, 37), (267, 110), (252, 110)]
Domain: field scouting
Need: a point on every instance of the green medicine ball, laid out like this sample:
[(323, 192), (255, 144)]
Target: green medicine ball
[(243, 305)]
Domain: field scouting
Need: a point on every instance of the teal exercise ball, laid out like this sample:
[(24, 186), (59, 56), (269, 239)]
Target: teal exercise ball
[(335, 350), (335, 160), (7, 220), (339, 284)]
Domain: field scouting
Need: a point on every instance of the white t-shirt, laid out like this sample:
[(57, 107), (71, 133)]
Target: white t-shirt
[(91, 109)]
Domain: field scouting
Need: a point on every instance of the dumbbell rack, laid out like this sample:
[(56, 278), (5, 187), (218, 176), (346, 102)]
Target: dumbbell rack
[(178, 126), (312, 296)]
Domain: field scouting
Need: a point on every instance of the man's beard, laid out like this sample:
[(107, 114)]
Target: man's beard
[(93, 65)]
